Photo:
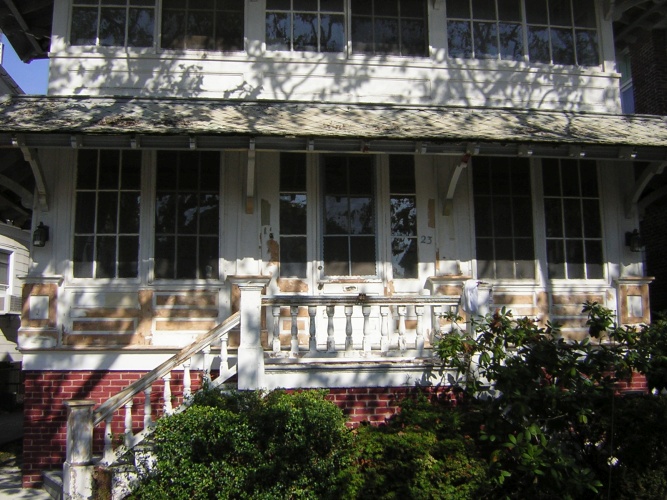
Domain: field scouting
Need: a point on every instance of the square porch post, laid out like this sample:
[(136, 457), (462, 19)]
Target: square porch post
[(250, 354), (78, 466)]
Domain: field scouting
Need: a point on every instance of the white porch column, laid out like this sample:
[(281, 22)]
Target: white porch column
[(78, 468), (251, 353)]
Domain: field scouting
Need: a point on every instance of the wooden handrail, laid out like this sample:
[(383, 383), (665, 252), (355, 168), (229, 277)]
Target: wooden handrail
[(206, 339), (360, 299)]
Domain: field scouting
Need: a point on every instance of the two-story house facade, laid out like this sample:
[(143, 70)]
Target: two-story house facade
[(340, 171)]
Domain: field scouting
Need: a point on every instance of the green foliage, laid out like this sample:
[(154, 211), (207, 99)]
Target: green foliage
[(420, 454), (544, 402), (247, 445)]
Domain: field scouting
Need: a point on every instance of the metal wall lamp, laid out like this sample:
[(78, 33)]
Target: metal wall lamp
[(634, 241), (40, 236)]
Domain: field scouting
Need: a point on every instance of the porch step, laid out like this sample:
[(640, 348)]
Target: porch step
[(53, 483)]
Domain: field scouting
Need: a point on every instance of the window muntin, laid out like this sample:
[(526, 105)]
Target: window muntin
[(187, 215), (546, 31), (293, 215), (349, 242), (403, 216), (396, 27), (106, 220), (572, 219), (305, 25), (203, 25), (113, 23), (4, 267), (503, 218)]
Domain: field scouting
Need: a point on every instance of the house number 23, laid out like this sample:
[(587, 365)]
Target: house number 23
[(426, 240)]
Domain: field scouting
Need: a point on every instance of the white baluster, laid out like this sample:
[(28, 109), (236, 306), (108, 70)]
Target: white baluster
[(348, 328), (223, 356), (148, 421), (312, 311), (294, 344), (187, 381), (276, 328), (108, 439), (419, 341), (401, 329), (167, 395), (384, 330), (331, 339), (128, 424), (366, 342), (206, 376)]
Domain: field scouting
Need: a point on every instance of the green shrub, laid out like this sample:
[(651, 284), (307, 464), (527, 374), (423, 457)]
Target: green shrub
[(247, 445)]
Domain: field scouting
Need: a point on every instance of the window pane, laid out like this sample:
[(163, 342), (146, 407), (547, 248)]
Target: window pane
[(129, 212), (305, 32), (575, 259), (362, 250), (401, 174), (589, 178), (459, 39), (229, 31), (187, 210), (293, 256), (332, 36), (403, 216), (562, 46), (293, 214), (105, 257), (208, 213), (4, 268), (361, 215), (483, 216), (208, 258), (84, 219), (335, 217), (82, 258), (107, 212), (165, 213), (404, 258), (522, 216), (199, 31), (141, 26), (551, 177), (278, 31), (511, 41), (573, 222), (165, 248), (84, 26), (484, 9), (109, 169), (584, 14), (559, 12), (594, 262), (553, 218), (413, 38), (587, 48), (173, 29), (386, 36), (458, 8), (336, 256), (186, 257), (570, 176), (509, 10), (555, 259), (538, 44), (386, 7), (536, 11), (486, 40), (112, 27), (362, 34), (592, 223), (128, 251)]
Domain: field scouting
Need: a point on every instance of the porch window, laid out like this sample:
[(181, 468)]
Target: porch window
[(113, 23), (187, 215), (503, 218), (293, 206), (349, 246), (4, 267), (545, 31), (305, 25), (403, 205), (203, 25), (397, 27), (106, 220), (572, 219)]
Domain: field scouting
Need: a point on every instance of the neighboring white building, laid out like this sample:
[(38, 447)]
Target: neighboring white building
[(361, 164)]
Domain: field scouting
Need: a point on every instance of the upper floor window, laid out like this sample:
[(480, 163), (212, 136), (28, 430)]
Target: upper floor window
[(113, 23), (202, 24), (106, 219), (545, 31), (503, 218), (187, 204), (305, 25), (397, 27), (572, 219)]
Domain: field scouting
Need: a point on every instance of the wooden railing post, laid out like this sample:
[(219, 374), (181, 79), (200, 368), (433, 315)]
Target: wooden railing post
[(250, 353), (78, 468)]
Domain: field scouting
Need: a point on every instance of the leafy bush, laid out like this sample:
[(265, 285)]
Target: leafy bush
[(247, 445)]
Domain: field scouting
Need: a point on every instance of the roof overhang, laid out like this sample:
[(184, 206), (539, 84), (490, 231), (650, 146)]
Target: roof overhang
[(27, 25), (91, 122)]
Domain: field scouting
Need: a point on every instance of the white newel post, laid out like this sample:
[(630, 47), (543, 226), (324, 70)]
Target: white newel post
[(78, 468), (251, 353)]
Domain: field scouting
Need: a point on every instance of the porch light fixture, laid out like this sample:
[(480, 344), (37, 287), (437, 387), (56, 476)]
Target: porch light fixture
[(634, 241), (40, 236)]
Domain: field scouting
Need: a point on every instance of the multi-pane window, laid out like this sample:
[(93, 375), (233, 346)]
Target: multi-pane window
[(305, 25), (349, 216), (106, 220), (572, 219), (202, 24), (113, 23), (4, 267), (293, 206), (397, 27), (187, 204), (503, 218), (546, 31), (403, 206)]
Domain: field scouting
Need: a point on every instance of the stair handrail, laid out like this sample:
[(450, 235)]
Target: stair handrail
[(115, 402)]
